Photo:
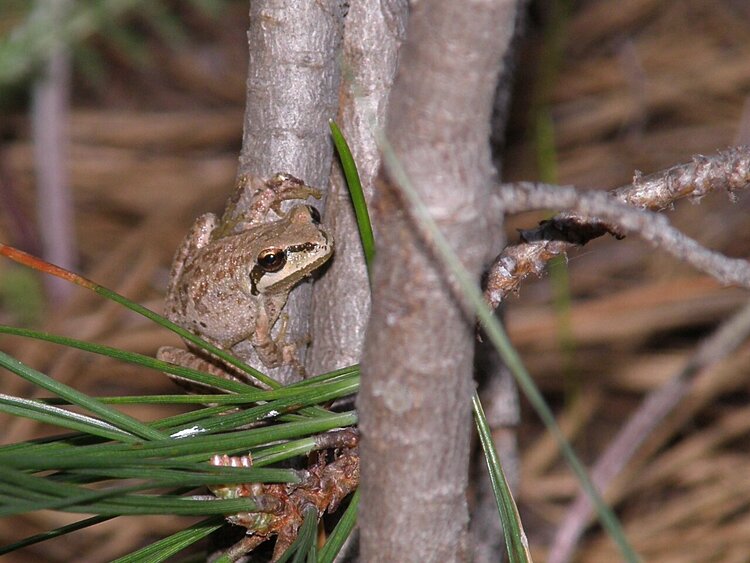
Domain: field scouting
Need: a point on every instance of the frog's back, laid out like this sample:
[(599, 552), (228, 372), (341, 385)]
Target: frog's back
[(210, 298)]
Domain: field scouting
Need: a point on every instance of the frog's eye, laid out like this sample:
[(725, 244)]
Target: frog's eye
[(314, 214), (272, 259)]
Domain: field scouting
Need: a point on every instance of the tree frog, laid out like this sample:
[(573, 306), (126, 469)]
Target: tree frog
[(231, 276)]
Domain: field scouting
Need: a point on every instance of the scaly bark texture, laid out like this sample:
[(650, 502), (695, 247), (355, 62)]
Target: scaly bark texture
[(372, 38), (415, 407), (293, 76)]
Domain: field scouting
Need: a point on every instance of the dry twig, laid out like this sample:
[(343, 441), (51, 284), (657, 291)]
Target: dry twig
[(597, 213)]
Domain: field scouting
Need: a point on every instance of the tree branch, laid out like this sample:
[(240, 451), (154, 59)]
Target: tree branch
[(598, 213), (293, 76), (414, 403), (372, 37)]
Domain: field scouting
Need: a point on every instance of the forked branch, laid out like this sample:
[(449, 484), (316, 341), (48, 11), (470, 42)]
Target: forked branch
[(593, 214)]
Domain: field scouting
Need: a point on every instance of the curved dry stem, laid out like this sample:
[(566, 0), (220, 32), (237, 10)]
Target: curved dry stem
[(598, 213)]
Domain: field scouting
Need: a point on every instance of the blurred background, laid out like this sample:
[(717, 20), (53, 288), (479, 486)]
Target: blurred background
[(149, 139)]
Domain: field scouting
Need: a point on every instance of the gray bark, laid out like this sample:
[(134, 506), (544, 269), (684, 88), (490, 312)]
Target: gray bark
[(293, 76), (372, 38), (414, 403)]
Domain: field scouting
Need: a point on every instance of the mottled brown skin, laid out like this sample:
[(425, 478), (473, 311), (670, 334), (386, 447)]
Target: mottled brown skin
[(231, 278)]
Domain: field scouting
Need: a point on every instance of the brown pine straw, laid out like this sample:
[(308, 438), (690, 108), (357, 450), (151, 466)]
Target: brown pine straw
[(654, 409), (643, 86)]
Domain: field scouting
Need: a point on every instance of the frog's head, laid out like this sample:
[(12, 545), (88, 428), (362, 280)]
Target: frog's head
[(288, 250)]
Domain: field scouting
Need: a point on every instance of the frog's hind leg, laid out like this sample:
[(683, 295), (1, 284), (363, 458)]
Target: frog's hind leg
[(208, 364)]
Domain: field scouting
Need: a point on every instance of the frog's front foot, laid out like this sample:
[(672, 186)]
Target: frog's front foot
[(289, 349), (275, 352), (280, 188), (288, 187)]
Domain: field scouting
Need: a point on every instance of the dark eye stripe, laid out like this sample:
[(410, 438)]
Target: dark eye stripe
[(255, 276), (305, 247), (314, 214)]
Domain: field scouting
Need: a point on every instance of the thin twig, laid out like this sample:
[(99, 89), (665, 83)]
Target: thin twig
[(597, 213), (728, 170), (725, 340), (50, 109)]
